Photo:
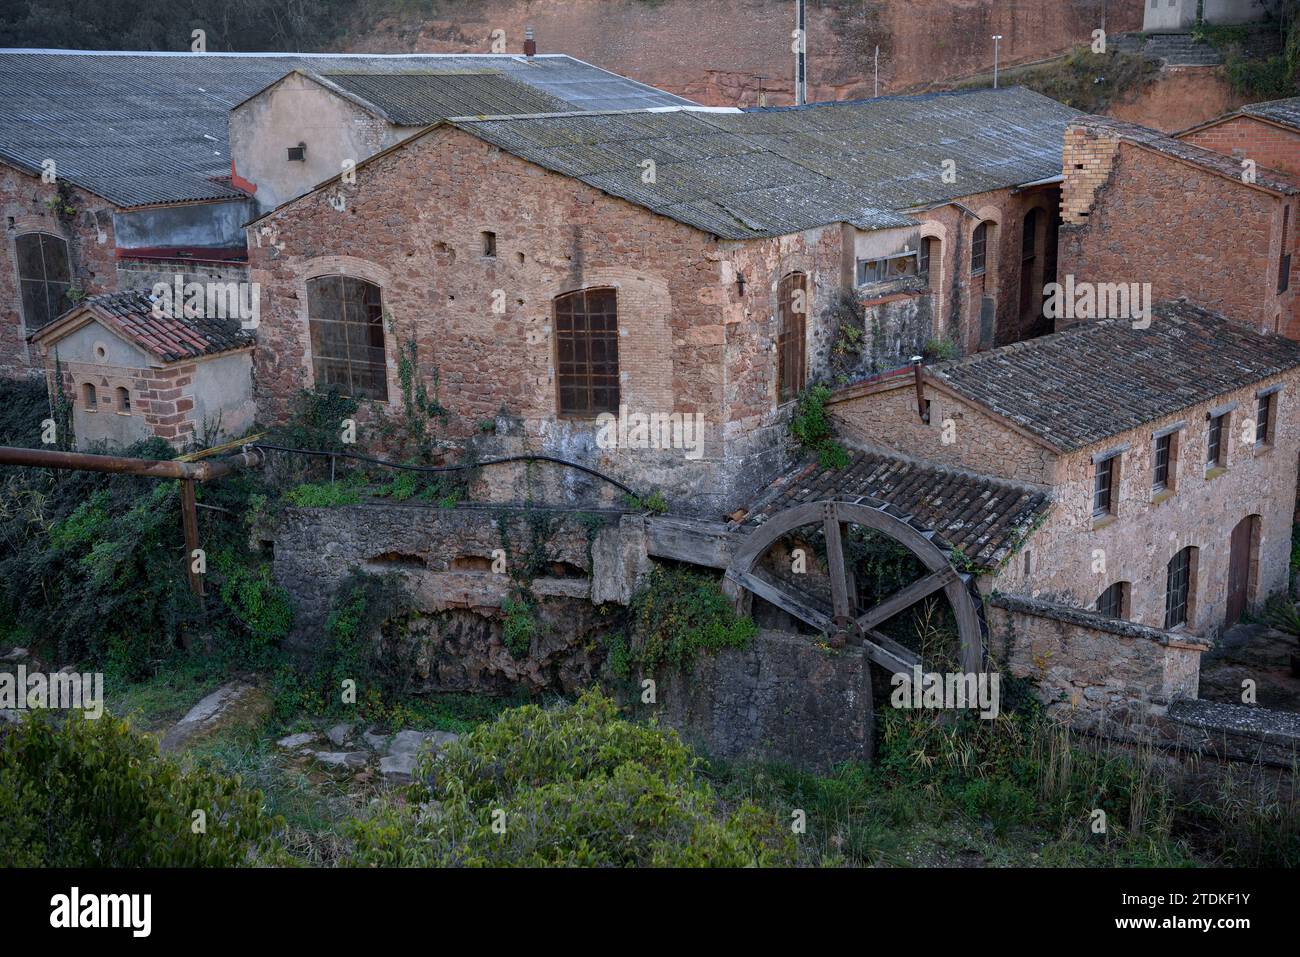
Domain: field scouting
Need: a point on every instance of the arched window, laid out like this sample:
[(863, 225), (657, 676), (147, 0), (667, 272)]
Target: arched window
[(1180, 587), (586, 351), (979, 249), (1113, 602), (346, 317), (792, 305), (123, 399), (45, 277), (88, 395)]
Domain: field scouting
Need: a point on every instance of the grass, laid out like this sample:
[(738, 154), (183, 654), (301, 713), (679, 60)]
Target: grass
[(1082, 79)]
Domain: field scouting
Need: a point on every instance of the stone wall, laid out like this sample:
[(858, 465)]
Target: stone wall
[(783, 699), (1090, 667), (1135, 215), (27, 206), (885, 415)]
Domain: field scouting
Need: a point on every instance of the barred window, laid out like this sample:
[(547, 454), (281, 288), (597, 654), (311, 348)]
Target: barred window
[(1103, 487), (45, 278), (1178, 588), (1160, 473), (1214, 442), (1264, 419), (1113, 602), (792, 304), (586, 346), (346, 319)]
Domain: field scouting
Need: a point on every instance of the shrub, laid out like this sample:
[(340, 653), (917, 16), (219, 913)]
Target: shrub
[(675, 615), (519, 626), (83, 793), (323, 495), (811, 427), (261, 610), (574, 786)]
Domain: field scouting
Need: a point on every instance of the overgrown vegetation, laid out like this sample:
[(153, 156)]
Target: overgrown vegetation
[(1082, 79), (811, 428), (83, 793), (1252, 69), (570, 786), (676, 615)]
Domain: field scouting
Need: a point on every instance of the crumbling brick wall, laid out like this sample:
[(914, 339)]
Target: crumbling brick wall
[(1134, 215)]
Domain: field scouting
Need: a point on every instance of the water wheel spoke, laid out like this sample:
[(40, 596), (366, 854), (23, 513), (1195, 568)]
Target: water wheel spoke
[(798, 604), (835, 563), (889, 654), (906, 598)]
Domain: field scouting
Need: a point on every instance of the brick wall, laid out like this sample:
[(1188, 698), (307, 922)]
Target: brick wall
[(1133, 215), (25, 207), (887, 418), (1245, 137), (1073, 558), (689, 341)]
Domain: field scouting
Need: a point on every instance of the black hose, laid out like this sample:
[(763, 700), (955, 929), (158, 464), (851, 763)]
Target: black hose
[(452, 468)]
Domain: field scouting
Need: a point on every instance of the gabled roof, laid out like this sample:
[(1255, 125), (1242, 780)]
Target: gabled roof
[(1099, 378), (130, 315), (419, 99), (141, 129), (1218, 163), (1283, 112), (985, 517), (771, 172)]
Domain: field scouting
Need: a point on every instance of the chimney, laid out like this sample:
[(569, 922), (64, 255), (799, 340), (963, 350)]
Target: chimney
[(919, 377), (530, 45)]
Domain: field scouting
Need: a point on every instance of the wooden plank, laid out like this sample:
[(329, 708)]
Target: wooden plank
[(905, 598), (709, 544), (190, 522), (769, 590), (889, 654), (835, 562)]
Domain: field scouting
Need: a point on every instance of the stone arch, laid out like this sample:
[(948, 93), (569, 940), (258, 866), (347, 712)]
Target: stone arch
[(354, 268)]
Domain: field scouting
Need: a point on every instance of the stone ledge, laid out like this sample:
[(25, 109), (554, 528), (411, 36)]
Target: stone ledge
[(1090, 619)]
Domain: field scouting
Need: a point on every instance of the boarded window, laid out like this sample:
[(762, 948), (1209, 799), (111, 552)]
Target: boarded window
[(45, 277), (979, 249), (1178, 588), (792, 304), (347, 336), (586, 346)]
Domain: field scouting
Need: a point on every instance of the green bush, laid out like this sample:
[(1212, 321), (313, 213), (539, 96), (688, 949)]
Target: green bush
[(261, 610), (519, 626), (676, 615), (811, 428), (92, 793), (323, 495), (575, 786)]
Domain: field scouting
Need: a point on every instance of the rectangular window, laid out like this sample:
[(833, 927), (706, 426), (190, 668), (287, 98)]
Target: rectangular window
[(298, 154), (586, 345), (1103, 487), (1160, 465), (979, 249), (346, 327), (1178, 585), (1284, 260), (1110, 603), (489, 245), (887, 267), (1214, 442), (1264, 420)]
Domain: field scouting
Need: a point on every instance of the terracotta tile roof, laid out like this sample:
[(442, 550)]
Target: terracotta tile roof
[(983, 516), (171, 340), (1099, 378), (1207, 159)]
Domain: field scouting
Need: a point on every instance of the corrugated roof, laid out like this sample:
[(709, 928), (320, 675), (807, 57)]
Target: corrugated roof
[(1286, 112), (146, 128), (418, 99), (1102, 377), (983, 516), (169, 339), (777, 171)]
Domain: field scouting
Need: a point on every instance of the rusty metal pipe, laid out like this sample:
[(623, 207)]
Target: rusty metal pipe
[(121, 465)]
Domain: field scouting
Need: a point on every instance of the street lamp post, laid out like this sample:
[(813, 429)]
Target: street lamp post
[(997, 38)]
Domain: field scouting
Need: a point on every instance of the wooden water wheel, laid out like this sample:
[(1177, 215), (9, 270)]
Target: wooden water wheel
[(842, 621)]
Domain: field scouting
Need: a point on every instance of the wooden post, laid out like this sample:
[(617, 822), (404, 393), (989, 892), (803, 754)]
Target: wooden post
[(190, 518)]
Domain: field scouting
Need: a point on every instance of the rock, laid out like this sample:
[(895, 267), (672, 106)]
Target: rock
[(16, 654), (398, 767), (339, 734), (296, 741), (232, 704), (342, 759), (9, 716), (410, 742), (376, 742)]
